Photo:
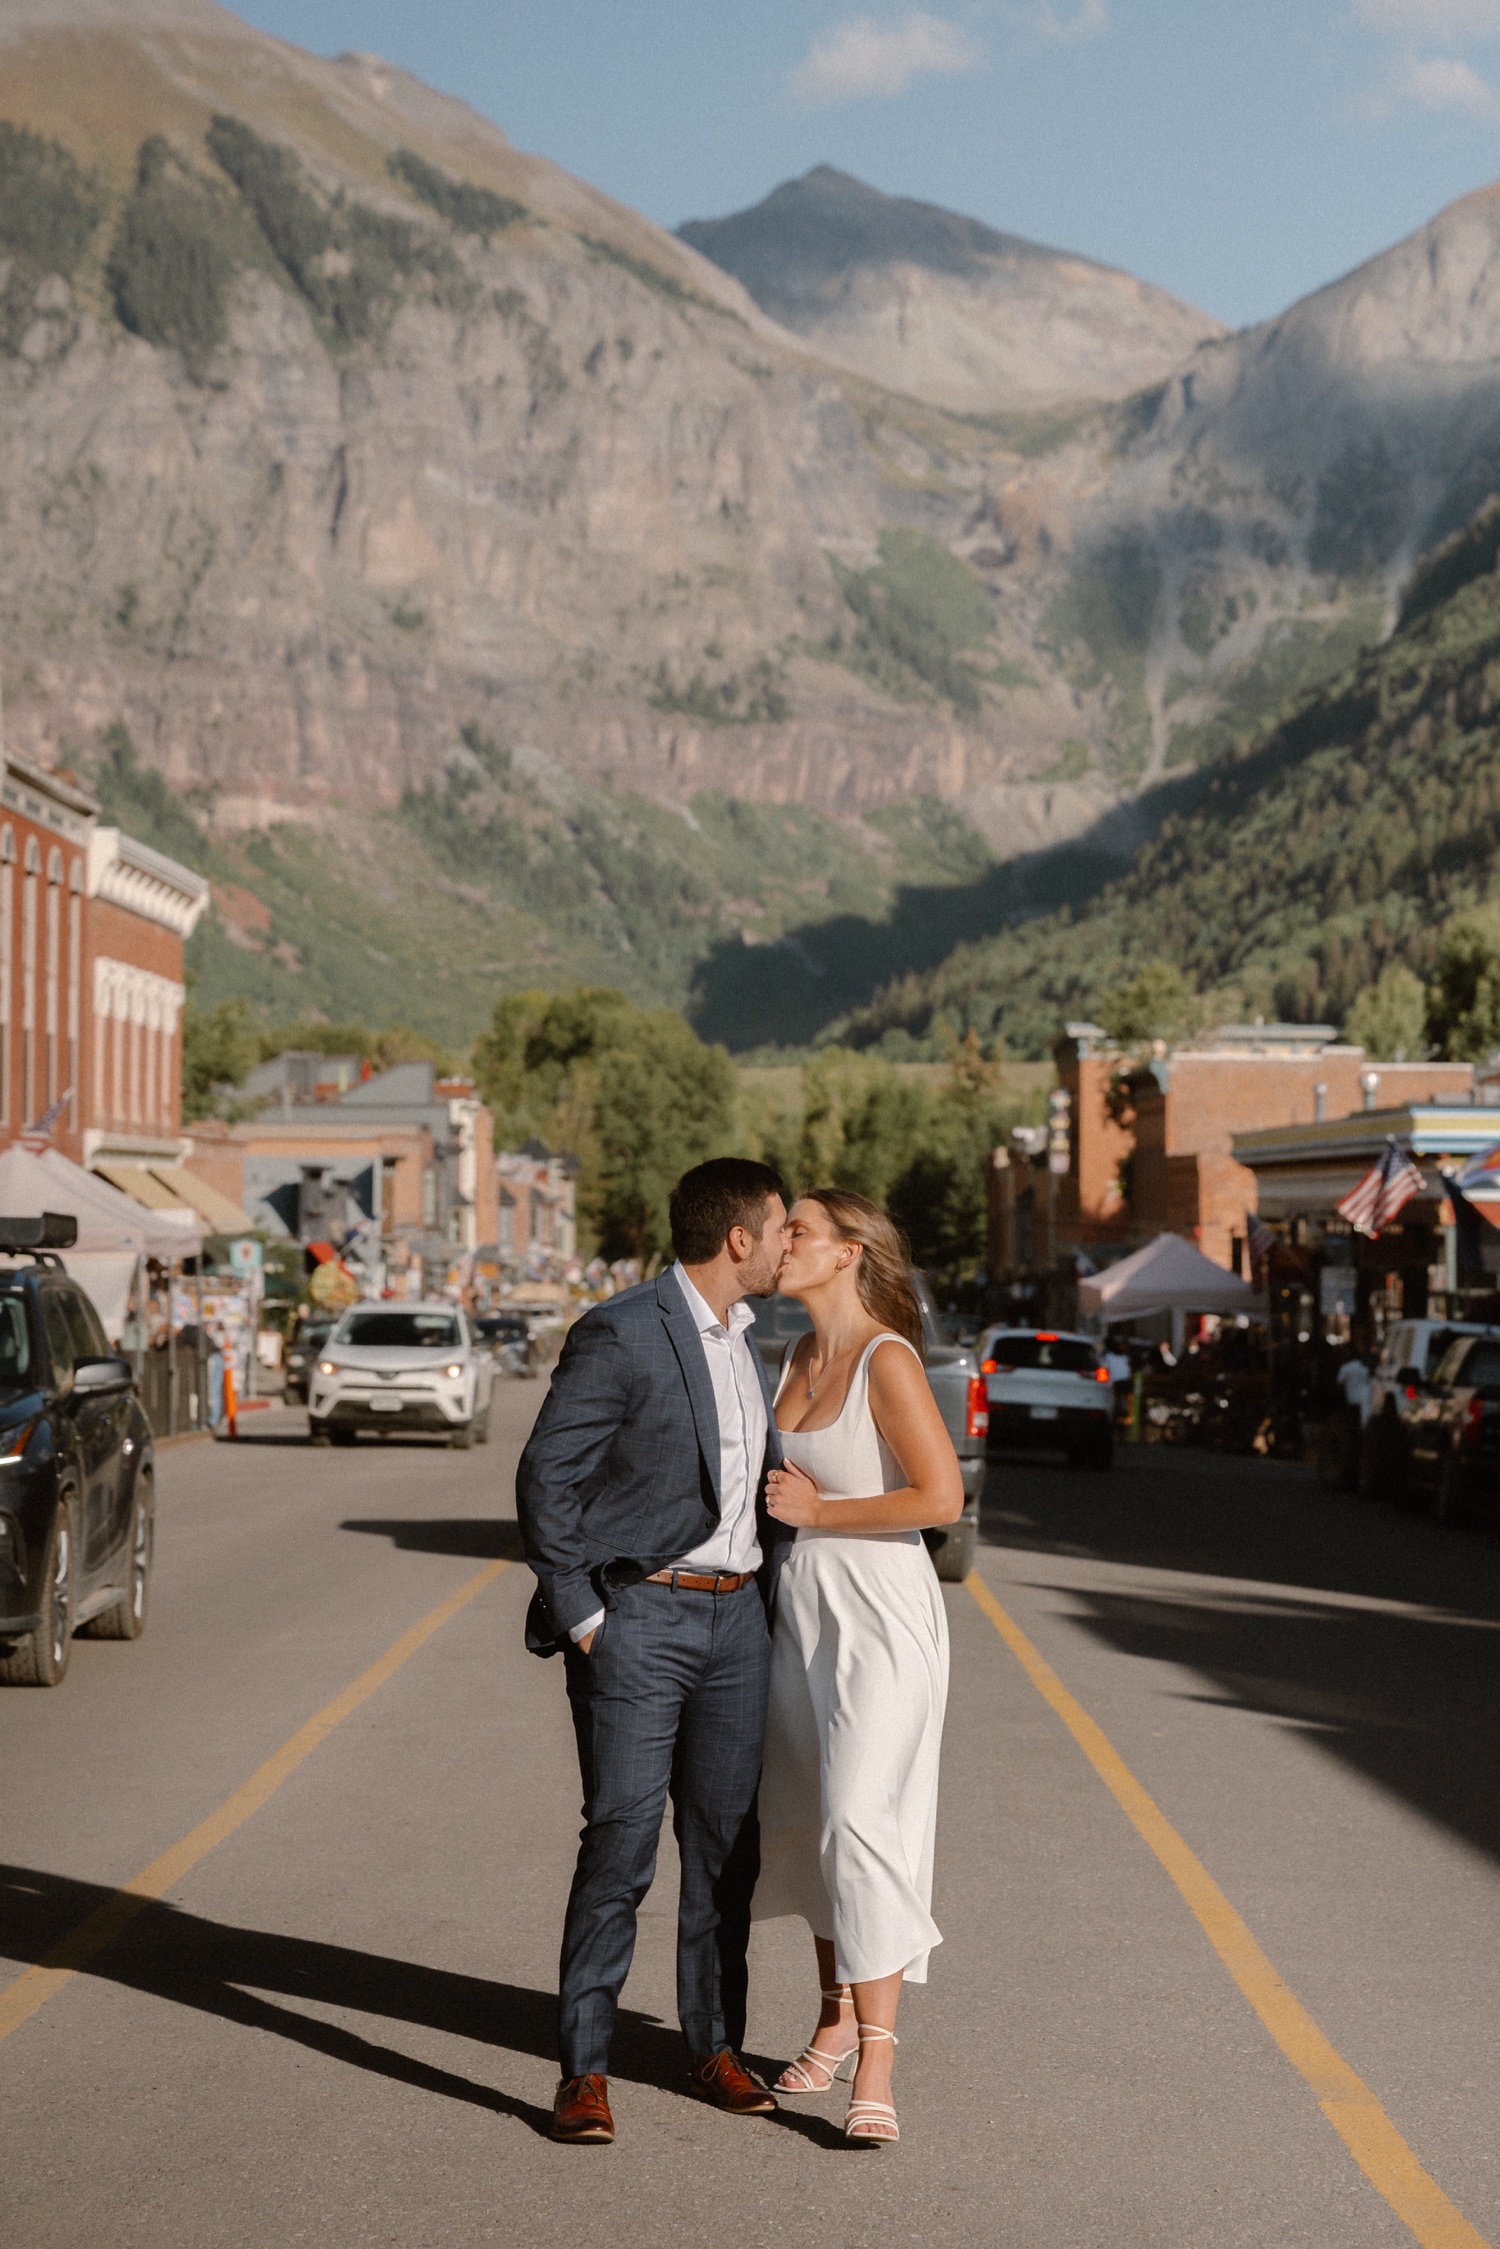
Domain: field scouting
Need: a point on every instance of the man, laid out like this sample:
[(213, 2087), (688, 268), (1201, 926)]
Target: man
[(641, 1496)]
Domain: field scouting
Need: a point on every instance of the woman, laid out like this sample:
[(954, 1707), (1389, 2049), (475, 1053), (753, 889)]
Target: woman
[(859, 1661)]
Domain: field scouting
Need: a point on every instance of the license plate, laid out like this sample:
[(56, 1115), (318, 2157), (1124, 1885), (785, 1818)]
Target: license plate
[(385, 1405), (1044, 1413)]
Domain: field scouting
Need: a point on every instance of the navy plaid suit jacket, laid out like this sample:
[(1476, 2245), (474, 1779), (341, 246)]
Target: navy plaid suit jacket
[(621, 1472)]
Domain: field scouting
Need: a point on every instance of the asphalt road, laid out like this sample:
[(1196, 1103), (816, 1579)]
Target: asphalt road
[(335, 2026)]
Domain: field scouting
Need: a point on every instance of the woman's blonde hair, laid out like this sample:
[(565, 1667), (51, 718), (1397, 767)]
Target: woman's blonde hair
[(883, 1272)]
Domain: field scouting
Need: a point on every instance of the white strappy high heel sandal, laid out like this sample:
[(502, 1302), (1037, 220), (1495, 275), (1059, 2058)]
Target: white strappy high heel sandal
[(873, 2122), (814, 2058)]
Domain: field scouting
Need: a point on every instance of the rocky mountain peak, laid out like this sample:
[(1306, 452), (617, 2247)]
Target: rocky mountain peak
[(942, 306)]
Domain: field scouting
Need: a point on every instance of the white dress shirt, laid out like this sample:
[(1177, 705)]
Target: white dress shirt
[(740, 1405)]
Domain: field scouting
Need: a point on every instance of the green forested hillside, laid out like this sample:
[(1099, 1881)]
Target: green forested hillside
[(512, 874), (1332, 844)]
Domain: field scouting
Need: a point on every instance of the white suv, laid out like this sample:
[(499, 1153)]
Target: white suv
[(1047, 1388), (401, 1366)]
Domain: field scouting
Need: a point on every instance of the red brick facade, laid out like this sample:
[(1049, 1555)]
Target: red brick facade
[(92, 927), (1188, 1105)]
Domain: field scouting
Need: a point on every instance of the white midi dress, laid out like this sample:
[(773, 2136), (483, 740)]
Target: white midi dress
[(859, 1682)]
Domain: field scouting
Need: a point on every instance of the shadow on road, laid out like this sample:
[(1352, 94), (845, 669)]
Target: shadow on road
[(1376, 1633), (475, 1538), (227, 1972)]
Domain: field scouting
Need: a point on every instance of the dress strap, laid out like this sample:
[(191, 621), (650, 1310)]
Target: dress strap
[(886, 1335)]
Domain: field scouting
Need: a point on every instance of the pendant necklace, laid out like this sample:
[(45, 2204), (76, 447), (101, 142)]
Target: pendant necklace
[(812, 1387)]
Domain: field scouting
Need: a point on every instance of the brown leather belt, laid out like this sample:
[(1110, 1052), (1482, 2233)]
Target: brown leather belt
[(693, 1581)]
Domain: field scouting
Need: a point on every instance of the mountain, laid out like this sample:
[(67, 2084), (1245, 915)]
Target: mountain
[(499, 594), (330, 423), (1337, 842), (1264, 504), (942, 307)]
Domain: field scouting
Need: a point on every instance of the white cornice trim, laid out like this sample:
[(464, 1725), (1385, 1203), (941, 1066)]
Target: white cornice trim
[(145, 882)]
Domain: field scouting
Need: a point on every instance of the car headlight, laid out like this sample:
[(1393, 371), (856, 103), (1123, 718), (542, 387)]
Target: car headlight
[(15, 1441), (453, 1373), (328, 1366)]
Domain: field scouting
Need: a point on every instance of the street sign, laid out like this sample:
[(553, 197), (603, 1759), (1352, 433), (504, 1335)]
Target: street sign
[(245, 1254)]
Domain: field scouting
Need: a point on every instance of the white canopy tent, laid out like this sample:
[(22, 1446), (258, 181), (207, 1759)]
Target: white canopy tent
[(1168, 1275), (113, 1231)]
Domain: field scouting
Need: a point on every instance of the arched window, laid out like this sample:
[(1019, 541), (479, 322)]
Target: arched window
[(33, 863), (7, 955)]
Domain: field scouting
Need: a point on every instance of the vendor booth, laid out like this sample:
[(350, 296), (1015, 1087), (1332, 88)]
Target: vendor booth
[(1168, 1275)]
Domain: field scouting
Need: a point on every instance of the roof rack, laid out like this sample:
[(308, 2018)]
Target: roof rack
[(38, 1236)]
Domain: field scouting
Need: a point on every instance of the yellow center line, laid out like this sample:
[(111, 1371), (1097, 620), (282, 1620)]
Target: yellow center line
[(1347, 2102), (89, 1937)]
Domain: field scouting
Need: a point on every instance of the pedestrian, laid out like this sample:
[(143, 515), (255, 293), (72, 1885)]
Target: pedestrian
[(859, 1663), (641, 1497)]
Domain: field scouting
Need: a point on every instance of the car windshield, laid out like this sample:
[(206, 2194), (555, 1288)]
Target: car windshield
[(1480, 1370), (399, 1331), (1065, 1354), (15, 1347)]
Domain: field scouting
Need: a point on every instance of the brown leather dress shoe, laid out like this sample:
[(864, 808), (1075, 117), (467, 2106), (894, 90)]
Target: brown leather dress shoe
[(581, 2112), (723, 2079)]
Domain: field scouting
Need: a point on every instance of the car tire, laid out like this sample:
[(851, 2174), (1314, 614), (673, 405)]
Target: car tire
[(338, 1436), (41, 1659), (127, 1619), (955, 1557), (462, 1438), (317, 1433)]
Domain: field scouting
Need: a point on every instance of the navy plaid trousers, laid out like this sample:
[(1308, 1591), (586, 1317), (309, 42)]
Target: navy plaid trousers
[(670, 1698)]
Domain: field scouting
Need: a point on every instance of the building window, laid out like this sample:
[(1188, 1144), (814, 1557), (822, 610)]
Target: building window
[(507, 1220), (54, 969), (28, 983), (7, 941), (75, 974)]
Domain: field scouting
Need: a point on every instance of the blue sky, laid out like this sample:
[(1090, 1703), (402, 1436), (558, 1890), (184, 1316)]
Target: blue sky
[(1239, 154)]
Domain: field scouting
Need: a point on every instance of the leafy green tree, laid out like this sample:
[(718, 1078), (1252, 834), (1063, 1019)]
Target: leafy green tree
[(1157, 1002), (1388, 1019), (634, 1093), (664, 1102), (218, 1049), (1463, 999)]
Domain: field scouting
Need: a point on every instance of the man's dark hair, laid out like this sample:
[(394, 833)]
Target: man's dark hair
[(711, 1198)]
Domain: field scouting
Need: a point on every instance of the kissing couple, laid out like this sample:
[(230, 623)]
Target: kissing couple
[(745, 1607)]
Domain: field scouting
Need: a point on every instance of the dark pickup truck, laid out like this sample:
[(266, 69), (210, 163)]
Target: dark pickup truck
[(960, 1390)]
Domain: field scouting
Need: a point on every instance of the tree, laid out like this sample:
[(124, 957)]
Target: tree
[(1463, 999), (218, 1048), (664, 1102), (1388, 1019), (1157, 1002), (633, 1093)]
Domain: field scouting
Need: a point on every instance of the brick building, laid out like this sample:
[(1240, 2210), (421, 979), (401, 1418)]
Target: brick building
[(92, 928), (1185, 1106), (409, 1149)]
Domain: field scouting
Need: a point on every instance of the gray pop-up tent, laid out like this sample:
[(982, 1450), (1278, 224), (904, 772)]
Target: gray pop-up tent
[(1168, 1275), (114, 1233)]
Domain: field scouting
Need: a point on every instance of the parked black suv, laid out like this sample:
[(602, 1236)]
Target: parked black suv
[(76, 1466)]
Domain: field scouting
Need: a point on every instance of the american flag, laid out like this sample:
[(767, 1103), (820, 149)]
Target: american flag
[(49, 1120), (1385, 1189), (1260, 1242)]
